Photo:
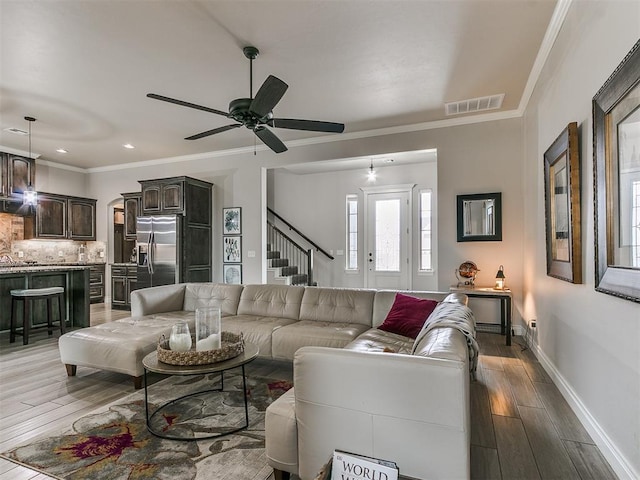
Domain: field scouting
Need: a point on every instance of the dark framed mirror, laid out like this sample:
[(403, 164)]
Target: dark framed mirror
[(616, 148), (479, 217)]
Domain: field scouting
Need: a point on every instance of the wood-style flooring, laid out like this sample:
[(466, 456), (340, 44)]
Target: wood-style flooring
[(522, 428)]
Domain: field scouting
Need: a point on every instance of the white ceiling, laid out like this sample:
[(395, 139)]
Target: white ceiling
[(83, 68)]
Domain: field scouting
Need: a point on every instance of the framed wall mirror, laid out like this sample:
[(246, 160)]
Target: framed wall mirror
[(562, 206), (616, 155), (479, 217)]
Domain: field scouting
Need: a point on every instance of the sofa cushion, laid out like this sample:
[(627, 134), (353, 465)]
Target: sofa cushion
[(286, 340), (255, 329), (225, 297), (165, 298), (337, 305), (271, 301), (119, 346), (407, 315)]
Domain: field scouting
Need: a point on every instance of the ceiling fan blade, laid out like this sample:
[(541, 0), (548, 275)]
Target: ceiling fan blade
[(214, 131), (270, 140), (311, 125), (268, 96), (186, 104)]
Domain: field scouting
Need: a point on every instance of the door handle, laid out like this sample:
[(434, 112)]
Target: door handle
[(150, 254)]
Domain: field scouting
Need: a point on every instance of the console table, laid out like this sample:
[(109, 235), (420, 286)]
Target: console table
[(487, 292)]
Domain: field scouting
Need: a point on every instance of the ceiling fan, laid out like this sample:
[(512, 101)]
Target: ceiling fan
[(255, 113)]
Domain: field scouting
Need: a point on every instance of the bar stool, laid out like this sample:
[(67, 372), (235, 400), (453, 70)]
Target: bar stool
[(27, 297)]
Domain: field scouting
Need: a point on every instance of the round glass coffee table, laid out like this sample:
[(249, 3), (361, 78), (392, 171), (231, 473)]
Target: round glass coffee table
[(151, 364)]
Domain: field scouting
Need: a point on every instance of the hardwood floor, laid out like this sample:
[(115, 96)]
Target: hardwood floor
[(522, 428)]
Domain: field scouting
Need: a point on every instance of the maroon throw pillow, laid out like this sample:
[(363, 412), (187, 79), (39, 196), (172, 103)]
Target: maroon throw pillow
[(407, 315)]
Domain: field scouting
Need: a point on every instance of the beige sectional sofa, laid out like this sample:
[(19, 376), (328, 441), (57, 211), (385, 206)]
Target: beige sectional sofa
[(357, 388)]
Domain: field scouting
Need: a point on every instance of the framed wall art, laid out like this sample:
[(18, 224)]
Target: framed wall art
[(232, 221), (616, 164), (232, 274), (232, 252), (562, 206)]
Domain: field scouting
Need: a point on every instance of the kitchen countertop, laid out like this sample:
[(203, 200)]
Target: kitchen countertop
[(42, 268), (127, 264)]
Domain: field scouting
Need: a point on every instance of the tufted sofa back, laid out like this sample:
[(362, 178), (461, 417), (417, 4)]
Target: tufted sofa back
[(337, 305), (226, 297), (281, 301)]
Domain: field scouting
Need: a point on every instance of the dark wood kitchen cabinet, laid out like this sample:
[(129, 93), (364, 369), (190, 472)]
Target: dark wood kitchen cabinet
[(123, 282), (61, 217), (96, 283), (175, 195), (16, 174), (131, 211)]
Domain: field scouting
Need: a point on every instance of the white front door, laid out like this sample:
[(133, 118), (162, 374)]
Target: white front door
[(388, 239)]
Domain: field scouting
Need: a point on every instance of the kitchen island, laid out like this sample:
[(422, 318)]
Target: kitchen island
[(73, 278)]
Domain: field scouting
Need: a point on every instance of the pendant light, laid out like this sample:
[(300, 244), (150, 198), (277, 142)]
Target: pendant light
[(371, 174), (30, 196)]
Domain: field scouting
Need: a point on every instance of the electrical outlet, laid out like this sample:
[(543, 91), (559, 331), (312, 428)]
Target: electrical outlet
[(60, 254), (533, 323), (20, 254), (101, 253)]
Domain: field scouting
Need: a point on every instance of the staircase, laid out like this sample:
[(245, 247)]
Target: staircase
[(287, 262), (280, 272)]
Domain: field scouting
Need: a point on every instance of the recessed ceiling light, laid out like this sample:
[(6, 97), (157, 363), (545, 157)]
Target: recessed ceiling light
[(61, 150), (128, 145)]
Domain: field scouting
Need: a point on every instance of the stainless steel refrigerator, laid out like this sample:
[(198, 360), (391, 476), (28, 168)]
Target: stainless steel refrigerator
[(159, 250)]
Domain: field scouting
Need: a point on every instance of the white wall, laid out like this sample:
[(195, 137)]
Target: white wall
[(589, 340), (51, 179), (316, 205)]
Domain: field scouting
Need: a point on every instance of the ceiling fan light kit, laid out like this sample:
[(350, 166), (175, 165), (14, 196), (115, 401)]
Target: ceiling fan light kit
[(256, 113)]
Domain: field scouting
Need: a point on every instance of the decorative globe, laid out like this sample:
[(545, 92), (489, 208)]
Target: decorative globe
[(467, 270)]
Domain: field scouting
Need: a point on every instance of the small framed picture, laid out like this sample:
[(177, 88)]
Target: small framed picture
[(232, 274), (232, 249), (232, 221)]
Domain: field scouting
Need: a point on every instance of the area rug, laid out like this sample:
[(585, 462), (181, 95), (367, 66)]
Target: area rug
[(113, 442)]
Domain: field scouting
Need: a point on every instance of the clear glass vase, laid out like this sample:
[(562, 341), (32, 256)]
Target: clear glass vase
[(180, 339), (208, 332)]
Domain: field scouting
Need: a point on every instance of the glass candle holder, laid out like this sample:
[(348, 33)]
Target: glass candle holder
[(208, 333), (180, 339)]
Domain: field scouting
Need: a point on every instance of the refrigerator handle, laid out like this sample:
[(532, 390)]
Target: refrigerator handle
[(150, 254)]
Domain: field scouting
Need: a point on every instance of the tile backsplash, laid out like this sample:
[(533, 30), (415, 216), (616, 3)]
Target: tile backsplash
[(43, 251)]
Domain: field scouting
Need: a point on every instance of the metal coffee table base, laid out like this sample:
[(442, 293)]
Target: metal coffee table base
[(232, 429)]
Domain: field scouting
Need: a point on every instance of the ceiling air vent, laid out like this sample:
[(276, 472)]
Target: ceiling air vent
[(479, 104), (17, 131)]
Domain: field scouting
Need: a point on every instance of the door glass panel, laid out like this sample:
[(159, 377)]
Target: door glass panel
[(387, 235)]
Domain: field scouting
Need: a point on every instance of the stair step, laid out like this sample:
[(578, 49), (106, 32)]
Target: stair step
[(290, 270), (271, 255), (279, 262), (300, 279)]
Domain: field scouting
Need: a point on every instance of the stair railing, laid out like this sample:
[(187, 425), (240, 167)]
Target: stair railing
[(300, 260), (302, 235)]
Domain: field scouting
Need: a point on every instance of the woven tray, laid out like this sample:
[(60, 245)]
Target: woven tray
[(232, 346)]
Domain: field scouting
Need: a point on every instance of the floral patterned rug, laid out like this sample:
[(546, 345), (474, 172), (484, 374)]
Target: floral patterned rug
[(113, 442)]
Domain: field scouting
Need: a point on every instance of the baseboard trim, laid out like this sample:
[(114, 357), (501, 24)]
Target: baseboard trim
[(618, 462)]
